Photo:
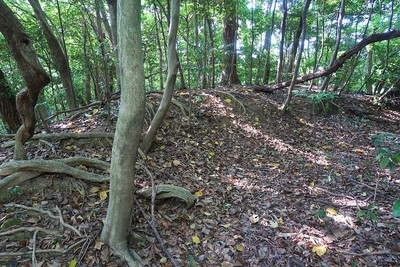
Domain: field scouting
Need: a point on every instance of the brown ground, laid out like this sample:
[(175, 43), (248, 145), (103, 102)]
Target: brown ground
[(261, 179)]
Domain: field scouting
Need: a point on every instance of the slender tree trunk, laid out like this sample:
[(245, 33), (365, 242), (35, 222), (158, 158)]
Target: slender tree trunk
[(211, 32), (337, 44), (171, 79), (204, 65), (303, 37), (35, 77), (99, 33), (229, 72), (250, 79), (8, 109), (128, 131), (282, 42), (267, 67), (112, 8), (295, 45), (160, 52), (59, 56)]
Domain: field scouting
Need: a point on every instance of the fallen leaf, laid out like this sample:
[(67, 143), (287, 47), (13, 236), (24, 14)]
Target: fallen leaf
[(320, 250), (196, 239), (239, 248), (73, 263), (176, 162), (273, 224), (163, 260), (331, 211), (198, 193), (103, 195), (98, 244), (95, 189), (228, 100)]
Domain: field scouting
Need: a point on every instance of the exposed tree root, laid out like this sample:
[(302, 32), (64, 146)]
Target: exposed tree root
[(60, 136), (23, 170)]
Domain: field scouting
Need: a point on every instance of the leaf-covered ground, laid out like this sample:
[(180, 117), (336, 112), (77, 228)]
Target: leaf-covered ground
[(272, 190)]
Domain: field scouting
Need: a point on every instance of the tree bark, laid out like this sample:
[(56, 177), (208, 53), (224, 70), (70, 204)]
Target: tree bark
[(337, 44), (172, 62), (298, 62), (35, 77), (281, 43), (267, 67), (8, 109), (128, 131), (58, 55), (337, 64), (229, 72)]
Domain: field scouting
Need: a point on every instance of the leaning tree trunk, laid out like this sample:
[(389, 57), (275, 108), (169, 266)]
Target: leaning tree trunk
[(128, 131), (171, 79), (8, 109), (59, 56), (35, 77)]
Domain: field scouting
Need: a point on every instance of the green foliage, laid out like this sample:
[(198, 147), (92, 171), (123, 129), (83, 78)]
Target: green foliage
[(396, 209), (322, 102), (388, 150), (370, 213)]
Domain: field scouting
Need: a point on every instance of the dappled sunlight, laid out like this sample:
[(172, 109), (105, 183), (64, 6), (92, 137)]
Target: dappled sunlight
[(281, 146)]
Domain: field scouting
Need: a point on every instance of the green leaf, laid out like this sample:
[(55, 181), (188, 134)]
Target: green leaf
[(372, 216), (396, 209), (384, 163)]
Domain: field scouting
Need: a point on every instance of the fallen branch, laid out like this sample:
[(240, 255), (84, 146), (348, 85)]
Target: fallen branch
[(337, 65)]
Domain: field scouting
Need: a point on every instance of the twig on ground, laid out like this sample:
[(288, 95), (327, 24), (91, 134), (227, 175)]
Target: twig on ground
[(34, 260), (49, 144), (383, 252), (157, 236), (88, 243)]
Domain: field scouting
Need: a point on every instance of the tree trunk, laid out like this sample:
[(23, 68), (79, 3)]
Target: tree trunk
[(229, 72), (160, 52), (171, 79), (128, 131), (58, 55), (281, 43), (303, 37), (112, 8), (267, 67), (8, 109), (338, 63), (35, 77), (211, 33), (337, 44), (250, 79)]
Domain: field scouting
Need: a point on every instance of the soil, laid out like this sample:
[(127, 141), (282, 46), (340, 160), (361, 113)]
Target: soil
[(302, 189)]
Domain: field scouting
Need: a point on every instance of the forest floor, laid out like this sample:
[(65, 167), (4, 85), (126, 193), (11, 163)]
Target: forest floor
[(272, 190)]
